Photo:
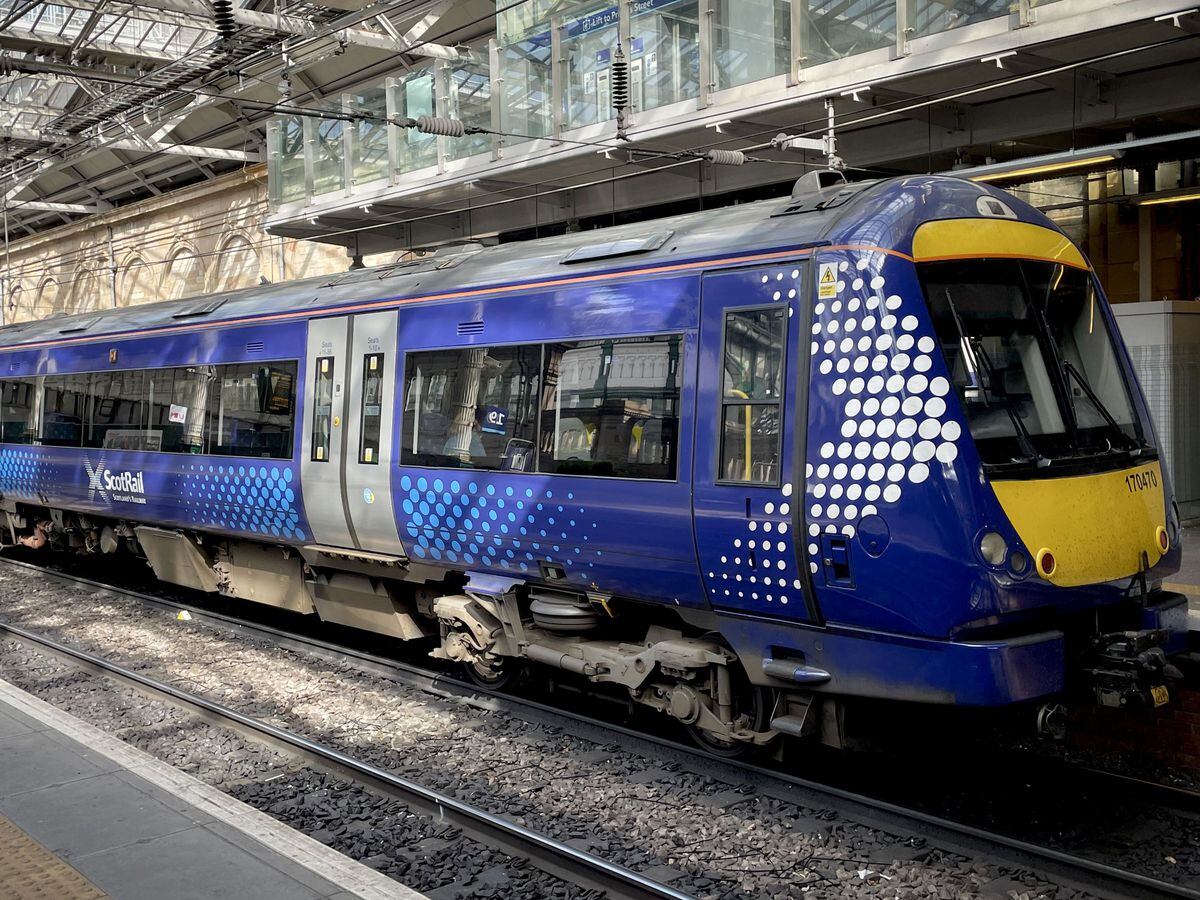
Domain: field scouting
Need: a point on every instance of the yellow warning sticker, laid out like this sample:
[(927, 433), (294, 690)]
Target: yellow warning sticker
[(827, 281)]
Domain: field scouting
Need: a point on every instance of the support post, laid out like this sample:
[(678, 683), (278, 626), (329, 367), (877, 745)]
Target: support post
[(496, 101), (905, 29), (441, 108), (1146, 185), (7, 271), (625, 41), (1026, 13), (798, 41), (558, 77), (1145, 253), (112, 267), (308, 128), (349, 143), (707, 41)]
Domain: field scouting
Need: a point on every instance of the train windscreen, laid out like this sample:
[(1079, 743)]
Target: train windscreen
[(1032, 359)]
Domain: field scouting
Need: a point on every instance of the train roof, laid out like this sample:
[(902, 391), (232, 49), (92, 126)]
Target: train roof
[(805, 218)]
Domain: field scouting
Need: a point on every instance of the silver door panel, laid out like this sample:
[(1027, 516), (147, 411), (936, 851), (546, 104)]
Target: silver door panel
[(368, 483), (321, 480)]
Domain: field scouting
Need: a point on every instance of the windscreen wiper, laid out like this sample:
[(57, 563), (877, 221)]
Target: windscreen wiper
[(1135, 447), (981, 360)]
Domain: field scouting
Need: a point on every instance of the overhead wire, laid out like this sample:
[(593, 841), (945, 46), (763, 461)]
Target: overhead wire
[(201, 92), (899, 109)]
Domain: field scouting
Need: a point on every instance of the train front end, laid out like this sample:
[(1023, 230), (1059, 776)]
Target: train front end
[(1022, 507)]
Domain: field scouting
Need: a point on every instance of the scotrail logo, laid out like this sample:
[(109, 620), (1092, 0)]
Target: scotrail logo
[(125, 487)]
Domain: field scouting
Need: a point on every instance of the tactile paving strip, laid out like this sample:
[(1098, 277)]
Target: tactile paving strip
[(28, 871)]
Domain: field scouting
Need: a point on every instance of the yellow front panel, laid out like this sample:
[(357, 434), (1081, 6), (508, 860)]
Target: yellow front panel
[(1097, 526), (993, 239)]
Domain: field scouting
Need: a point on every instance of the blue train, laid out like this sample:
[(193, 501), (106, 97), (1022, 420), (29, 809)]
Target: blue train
[(873, 440)]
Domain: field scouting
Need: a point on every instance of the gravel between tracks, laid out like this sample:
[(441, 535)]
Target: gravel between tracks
[(684, 828), (379, 831)]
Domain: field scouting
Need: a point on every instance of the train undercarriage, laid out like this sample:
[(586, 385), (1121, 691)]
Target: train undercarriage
[(493, 627)]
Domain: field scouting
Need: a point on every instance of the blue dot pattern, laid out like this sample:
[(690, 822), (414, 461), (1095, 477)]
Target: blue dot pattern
[(505, 526), (238, 497), (20, 472)]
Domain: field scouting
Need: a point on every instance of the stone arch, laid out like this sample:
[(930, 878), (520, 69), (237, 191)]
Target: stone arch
[(48, 299), (183, 274), (237, 264), (87, 292), (135, 284), (16, 301)]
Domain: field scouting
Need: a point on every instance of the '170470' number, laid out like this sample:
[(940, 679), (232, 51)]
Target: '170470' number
[(1140, 481)]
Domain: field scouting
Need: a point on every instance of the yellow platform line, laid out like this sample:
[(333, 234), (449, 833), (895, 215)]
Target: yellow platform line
[(28, 871)]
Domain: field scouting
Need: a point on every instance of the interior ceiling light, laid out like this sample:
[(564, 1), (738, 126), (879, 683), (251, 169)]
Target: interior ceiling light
[(1172, 198), (1044, 168)]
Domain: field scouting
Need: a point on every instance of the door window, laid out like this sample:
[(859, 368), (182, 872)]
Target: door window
[(322, 409), (372, 409), (751, 395)]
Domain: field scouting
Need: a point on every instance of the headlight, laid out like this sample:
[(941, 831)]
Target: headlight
[(1018, 563), (993, 549)]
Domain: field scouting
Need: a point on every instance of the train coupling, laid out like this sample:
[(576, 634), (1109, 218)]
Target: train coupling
[(1130, 669)]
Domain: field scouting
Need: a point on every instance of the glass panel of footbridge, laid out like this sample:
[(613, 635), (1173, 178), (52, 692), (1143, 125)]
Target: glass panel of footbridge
[(828, 30), (933, 16)]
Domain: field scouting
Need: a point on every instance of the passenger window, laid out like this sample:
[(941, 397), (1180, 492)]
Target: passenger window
[(752, 393), (322, 409), (177, 400), (372, 408), (64, 407), (16, 412), (250, 410), (473, 407), (117, 420), (612, 407)]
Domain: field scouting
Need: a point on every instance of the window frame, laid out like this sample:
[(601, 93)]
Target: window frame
[(317, 373), (381, 357), (403, 359), (37, 413), (719, 430)]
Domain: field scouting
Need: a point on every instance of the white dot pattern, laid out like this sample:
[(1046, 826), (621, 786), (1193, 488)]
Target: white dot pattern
[(895, 421), (759, 565)]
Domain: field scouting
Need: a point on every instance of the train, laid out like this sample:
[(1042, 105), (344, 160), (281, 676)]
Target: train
[(875, 441)]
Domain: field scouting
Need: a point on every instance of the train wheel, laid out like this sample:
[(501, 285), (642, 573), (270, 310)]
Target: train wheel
[(751, 704), (496, 673)]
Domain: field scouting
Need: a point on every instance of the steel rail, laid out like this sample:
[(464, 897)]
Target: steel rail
[(546, 853), (1074, 871)]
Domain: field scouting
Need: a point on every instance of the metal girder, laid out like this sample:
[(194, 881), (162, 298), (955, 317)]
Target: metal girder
[(15, 133), (20, 38), (135, 9), (46, 206), (192, 150), (359, 37), (431, 18), (302, 27), (18, 10)]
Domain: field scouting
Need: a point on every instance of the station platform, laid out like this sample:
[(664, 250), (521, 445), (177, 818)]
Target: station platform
[(1187, 580), (84, 816)]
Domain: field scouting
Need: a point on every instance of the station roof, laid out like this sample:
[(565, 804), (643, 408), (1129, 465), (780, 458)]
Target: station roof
[(107, 101)]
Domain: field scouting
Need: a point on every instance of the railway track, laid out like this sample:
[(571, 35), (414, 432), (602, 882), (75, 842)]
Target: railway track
[(567, 862)]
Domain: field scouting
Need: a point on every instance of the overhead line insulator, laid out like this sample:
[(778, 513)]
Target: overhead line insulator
[(223, 19), (726, 157), (441, 125)]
